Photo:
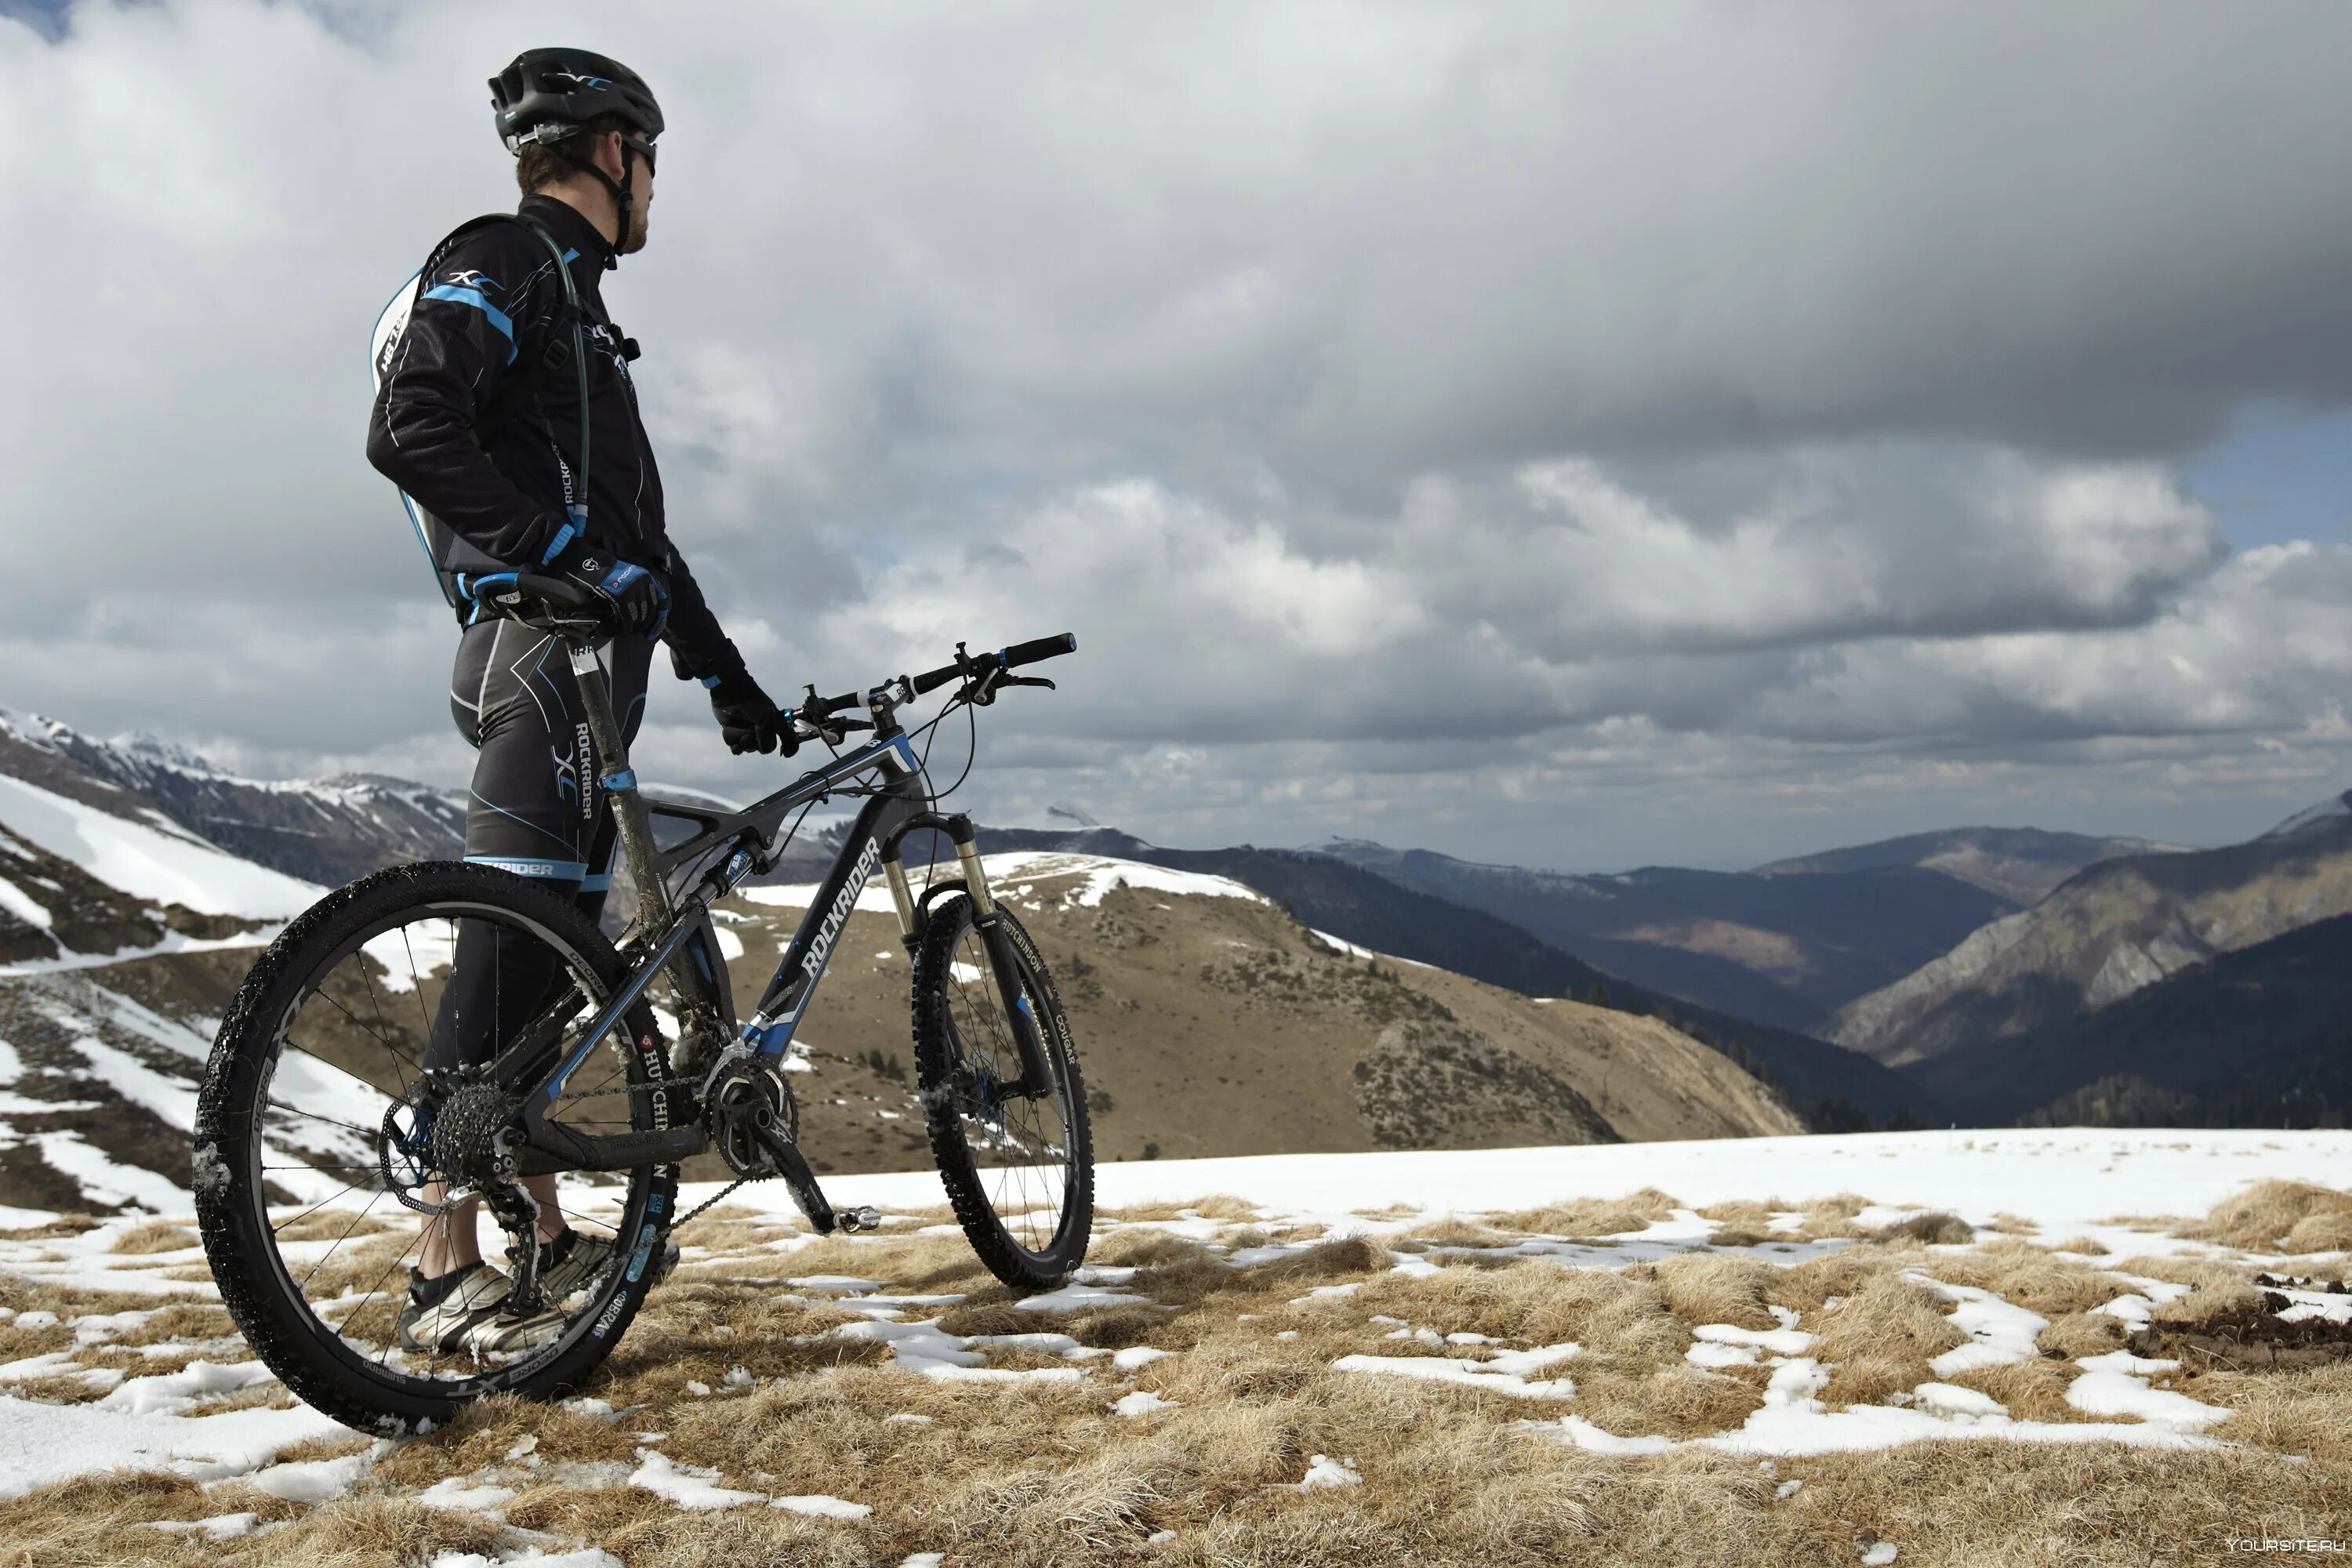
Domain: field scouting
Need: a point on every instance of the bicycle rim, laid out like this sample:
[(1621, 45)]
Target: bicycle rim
[(348, 1043)]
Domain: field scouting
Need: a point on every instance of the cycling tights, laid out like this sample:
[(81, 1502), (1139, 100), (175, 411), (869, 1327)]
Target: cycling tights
[(537, 809)]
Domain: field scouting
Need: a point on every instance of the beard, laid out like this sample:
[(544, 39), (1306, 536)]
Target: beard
[(640, 223)]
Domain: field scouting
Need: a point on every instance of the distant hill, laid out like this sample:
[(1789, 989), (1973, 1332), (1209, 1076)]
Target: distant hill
[(1213, 1021), (1832, 1089), (2107, 932), (326, 830), (2022, 865), (2258, 1037), (1210, 1021), (1784, 948)]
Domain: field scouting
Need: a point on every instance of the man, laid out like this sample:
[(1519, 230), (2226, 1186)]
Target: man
[(478, 419)]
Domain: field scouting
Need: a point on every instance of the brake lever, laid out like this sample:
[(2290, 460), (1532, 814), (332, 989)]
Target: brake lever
[(830, 731)]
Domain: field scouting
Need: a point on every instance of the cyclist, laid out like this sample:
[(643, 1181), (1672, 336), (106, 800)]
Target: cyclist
[(478, 419)]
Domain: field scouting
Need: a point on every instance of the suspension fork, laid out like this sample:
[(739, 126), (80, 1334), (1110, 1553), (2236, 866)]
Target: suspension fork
[(1036, 1073)]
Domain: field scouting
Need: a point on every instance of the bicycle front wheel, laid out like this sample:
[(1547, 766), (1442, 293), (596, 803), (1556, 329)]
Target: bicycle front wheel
[(1017, 1157), (317, 1186)]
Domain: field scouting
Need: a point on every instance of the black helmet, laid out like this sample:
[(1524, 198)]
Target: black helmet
[(549, 94)]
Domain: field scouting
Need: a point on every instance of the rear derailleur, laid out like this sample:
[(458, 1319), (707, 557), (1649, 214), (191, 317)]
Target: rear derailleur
[(463, 1135)]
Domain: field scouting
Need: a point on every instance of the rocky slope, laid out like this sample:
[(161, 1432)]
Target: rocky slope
[(2258, 1037), (2110, 930), (1833, 1089), (1212, 1022)]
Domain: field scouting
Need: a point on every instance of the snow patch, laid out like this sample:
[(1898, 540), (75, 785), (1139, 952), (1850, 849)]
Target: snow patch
[(685, 1485), (819, 1506), (1504, 1373), (1325, 1473), (146, 862), (1142, 1402)]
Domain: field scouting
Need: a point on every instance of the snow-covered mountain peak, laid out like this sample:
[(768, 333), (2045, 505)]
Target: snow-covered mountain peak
[(2315, 820)]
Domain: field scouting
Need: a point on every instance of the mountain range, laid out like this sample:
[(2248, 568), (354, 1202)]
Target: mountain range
[(326, 831), (2113, 929), (1785, 946), (1214, 1022), (1979, 975)]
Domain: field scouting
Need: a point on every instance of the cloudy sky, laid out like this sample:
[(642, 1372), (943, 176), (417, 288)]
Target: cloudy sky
[(1588, 435)]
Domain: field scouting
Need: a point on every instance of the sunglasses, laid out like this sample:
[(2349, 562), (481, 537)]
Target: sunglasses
[(643, 149)]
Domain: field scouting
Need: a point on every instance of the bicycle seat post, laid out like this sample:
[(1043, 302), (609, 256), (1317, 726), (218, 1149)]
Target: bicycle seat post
[(619, 782)]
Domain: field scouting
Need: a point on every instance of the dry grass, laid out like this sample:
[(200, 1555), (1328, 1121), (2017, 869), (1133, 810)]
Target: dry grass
[(1594, 1216), (2088, 1245), (156, 1235), (62, 1226), (73, 1524), (2217, 1287), (1037, 1473), (1454, 1231), (378, 1533), (2030, 1390), (1937, 1229), (2027, 1276), (1878, 1338), (2085, 1334), (327, 1224), (1707, 1288), (1831, 1217), (2278, 1216)]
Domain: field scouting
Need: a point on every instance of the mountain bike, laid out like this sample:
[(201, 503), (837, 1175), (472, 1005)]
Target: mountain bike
[(321, 1132)]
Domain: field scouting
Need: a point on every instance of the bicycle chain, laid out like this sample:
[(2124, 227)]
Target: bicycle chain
[(659, 1083), (682, 1221)]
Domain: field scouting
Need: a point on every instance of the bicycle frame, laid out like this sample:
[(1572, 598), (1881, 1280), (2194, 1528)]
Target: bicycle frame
[(677, 930)]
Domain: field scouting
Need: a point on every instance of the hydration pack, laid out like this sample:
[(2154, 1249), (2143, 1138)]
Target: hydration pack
[(449, 554)]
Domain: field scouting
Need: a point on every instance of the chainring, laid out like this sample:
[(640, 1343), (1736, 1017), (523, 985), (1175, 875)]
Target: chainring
[(750, 1107)]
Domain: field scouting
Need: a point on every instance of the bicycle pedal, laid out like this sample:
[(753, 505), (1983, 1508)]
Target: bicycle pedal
[(858, 1219)]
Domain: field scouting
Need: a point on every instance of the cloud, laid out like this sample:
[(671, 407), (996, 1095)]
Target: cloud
[(1649, 398), (1548, 595)]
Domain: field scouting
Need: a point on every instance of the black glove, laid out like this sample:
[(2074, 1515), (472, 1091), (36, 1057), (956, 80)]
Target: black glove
[(632, 599), (748, 720)]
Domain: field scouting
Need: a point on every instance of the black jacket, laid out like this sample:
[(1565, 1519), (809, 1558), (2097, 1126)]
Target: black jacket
[(483, 435)]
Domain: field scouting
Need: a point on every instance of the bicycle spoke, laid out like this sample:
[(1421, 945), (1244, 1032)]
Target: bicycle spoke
[(339, 1240)]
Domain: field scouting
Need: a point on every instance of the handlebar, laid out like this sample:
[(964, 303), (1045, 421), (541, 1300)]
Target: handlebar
[(512, 593), (1034, 651), (968, 667)]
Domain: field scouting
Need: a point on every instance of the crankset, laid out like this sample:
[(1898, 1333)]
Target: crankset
[(755, 1124)]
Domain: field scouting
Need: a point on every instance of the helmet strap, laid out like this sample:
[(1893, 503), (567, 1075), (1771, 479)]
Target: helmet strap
[(624, 193)]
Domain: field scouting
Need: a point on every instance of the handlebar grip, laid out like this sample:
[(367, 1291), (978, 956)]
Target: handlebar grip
[(932, 679), (1039, 648)]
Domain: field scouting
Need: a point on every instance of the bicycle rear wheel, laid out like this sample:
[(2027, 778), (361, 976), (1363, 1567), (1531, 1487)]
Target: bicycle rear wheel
[(312, 1166), (1019, 1168)]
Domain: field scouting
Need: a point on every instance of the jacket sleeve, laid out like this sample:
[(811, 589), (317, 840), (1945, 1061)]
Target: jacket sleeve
[(458, 351), (698, 648)]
